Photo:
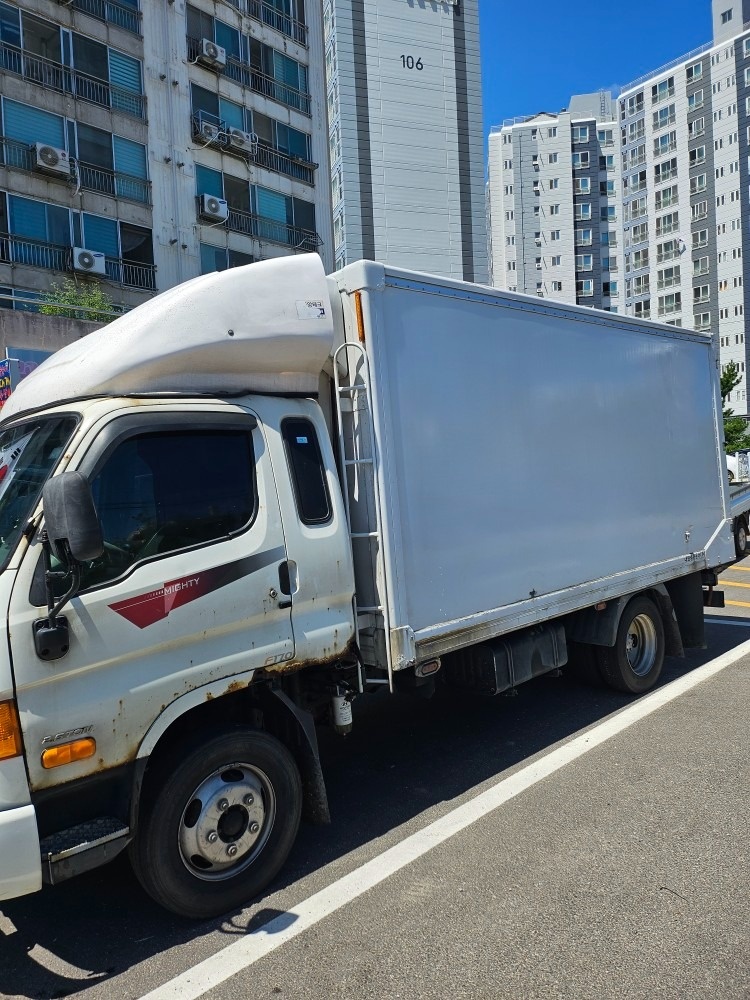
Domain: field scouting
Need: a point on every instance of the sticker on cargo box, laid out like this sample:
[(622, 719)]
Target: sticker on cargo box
[(311, 309)]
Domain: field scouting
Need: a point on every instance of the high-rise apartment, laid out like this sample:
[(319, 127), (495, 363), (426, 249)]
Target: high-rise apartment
[(141, 147), (680, 168), (406, 140), (554, 185)]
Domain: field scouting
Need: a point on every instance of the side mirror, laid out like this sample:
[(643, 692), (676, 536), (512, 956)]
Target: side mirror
[(70, 517)]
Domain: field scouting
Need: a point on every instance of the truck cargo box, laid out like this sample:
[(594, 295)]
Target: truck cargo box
[(528, 458)]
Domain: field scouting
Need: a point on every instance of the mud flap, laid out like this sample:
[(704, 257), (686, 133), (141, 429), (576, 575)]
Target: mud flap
[(305, 749)]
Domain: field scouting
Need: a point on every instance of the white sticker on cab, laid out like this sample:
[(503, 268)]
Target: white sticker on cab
[(311, 309)]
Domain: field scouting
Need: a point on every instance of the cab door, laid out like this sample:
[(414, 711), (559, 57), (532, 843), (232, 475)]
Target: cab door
[(186, 593)]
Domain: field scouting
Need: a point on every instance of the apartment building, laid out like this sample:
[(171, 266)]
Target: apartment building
[(680, 185), (686, 200), (141, 147), (553, 198), (406, 139)]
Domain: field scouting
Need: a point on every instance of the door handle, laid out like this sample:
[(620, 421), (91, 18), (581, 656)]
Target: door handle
[(285, 585)]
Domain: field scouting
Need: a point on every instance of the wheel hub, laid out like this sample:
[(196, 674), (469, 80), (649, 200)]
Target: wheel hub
[(226, 822), (640, 645)]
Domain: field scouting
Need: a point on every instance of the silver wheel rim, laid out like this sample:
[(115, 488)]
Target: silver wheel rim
[(641, 645), (226, 822)]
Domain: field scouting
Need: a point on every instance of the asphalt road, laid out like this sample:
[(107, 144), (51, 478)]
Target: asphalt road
[(626, 873)]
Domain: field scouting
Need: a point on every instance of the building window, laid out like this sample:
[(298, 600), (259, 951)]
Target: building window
[(608, 213), (609, 289), (580, 133), (554, 235), (582, 212), (668, 277), (220, 258), (557, 286), (670, 303), (697, 155), (695, 100), (726, 16), (664, 116), (581, 185), (552, 132), (584, 262), (557, 260), (553, 157), (605, 137), (666, 197), (580, 161), (666, 143), (554, 210), (583, 237), (554, 183), (694, 72), (661, 91), (607, 162), (585, 288)]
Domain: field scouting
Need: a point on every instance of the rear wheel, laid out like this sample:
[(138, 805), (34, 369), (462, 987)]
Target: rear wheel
[(217, 825), (740, 537), (635, 661)]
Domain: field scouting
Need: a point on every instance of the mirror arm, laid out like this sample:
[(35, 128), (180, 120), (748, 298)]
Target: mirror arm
[(50, 575)]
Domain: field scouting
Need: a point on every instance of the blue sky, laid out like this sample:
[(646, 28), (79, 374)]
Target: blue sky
[(537, 53)]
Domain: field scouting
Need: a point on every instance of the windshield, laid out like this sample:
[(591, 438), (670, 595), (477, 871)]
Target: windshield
[(29, 451)]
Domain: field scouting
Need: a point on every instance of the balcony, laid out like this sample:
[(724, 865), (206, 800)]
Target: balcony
[(248, 76), (275, 19), (122, 15), (54, 76), (260, 153), (21, 156), (53, 257), (667, 255), (270, 231)]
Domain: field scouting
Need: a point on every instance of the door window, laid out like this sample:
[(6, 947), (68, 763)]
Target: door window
[(158, 493)]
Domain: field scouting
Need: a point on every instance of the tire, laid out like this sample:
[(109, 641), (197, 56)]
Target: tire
[(583, 664), (216, 826), (635, 661), (740, 537)]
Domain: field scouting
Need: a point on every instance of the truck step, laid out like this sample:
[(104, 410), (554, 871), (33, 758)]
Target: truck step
[(81, 848)]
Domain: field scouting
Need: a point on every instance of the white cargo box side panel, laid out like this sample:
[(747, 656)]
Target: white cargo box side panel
[(526, 450)]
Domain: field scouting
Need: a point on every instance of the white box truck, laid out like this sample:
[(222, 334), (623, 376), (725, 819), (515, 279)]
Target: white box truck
[(267, 491)]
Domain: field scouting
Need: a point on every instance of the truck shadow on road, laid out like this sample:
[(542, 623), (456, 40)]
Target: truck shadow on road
[(403, 757)]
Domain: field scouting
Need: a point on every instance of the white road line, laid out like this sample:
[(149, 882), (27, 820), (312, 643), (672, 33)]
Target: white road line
[(272, 935)]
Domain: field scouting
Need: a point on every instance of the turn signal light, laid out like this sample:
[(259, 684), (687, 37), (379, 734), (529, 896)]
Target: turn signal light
[(68, 752), (10, 731)]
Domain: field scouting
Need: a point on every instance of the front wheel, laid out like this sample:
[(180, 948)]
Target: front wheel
[(217, 825), (635, 661)]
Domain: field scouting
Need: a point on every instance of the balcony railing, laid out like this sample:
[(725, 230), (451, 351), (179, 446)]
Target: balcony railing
[(255, 79), (276, 19), (260, 228), (53, 257), (260, 153), (114, 183), (54, 76), (123, 15), (91, 178)]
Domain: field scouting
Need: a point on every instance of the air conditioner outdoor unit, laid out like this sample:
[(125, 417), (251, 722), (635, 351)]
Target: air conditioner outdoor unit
[(51, 160), (539, 267), (212, 55), (243, 140), (90, 261), (208, 132), (214, 208)]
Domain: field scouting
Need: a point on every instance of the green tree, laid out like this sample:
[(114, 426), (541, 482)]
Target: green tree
[(736, 434), (85, 301)]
